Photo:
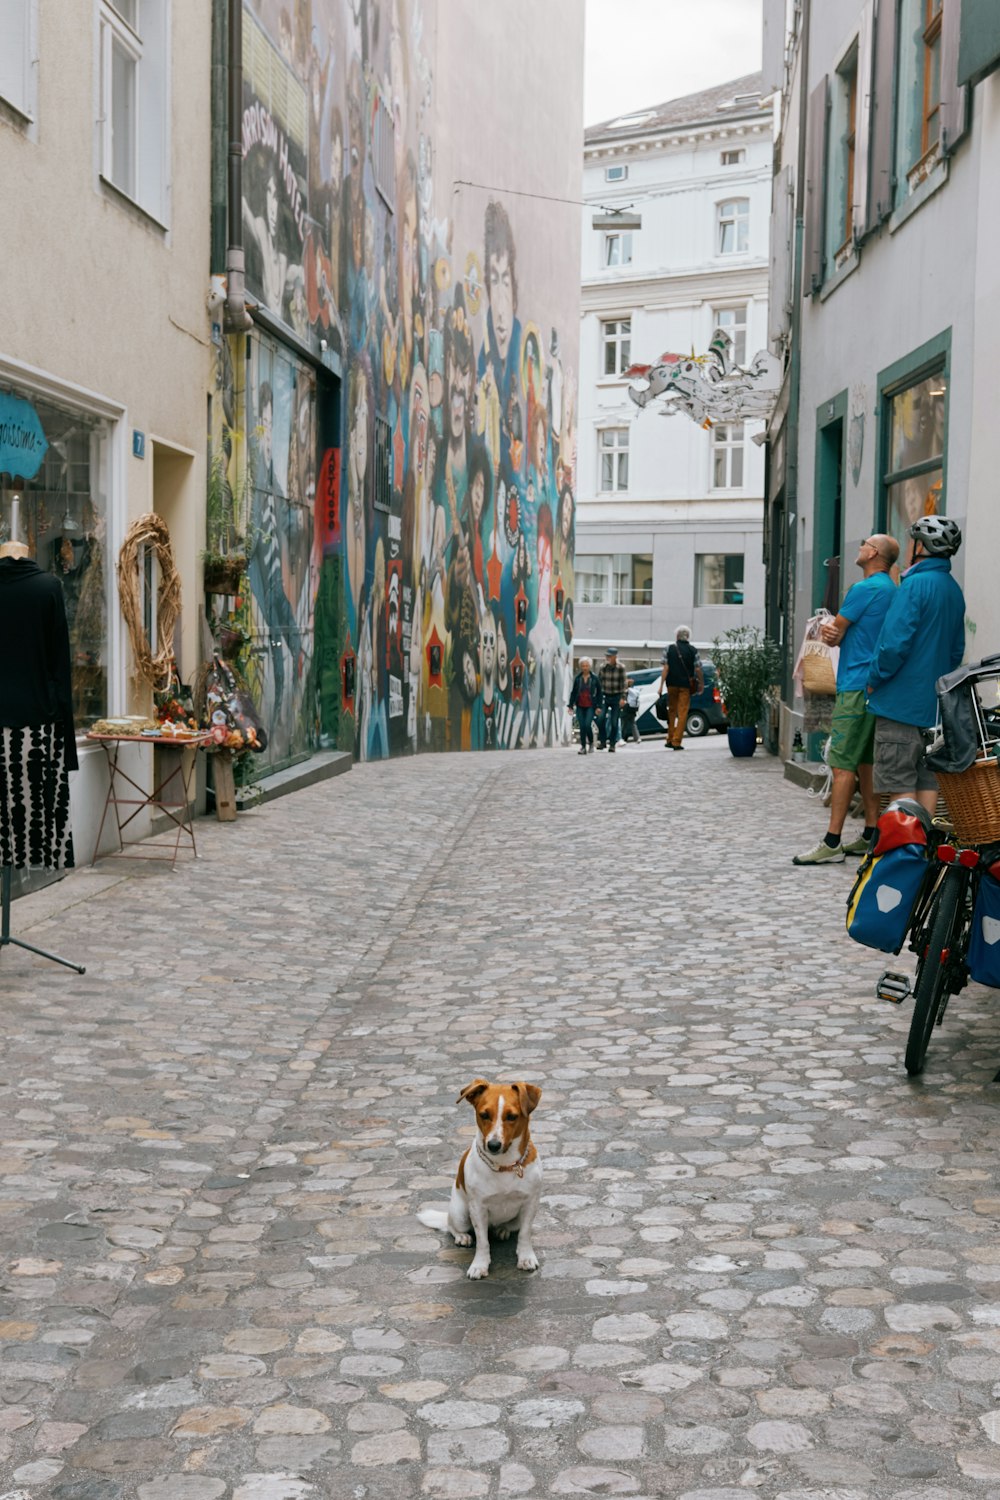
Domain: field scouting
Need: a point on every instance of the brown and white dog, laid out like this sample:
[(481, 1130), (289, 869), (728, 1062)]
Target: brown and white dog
[(499, 1177)]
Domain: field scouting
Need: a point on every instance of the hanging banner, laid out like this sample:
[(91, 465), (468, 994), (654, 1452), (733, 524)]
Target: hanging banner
[(23, 444)]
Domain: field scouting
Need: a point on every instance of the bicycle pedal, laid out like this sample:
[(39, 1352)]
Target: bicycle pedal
[(893, 987)]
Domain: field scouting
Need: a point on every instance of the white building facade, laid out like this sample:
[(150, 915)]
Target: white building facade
[(675, 244)]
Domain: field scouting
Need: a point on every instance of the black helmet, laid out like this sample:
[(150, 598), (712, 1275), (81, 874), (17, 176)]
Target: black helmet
[(938, 535)]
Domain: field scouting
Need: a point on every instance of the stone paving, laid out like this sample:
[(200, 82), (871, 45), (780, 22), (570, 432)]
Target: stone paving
[(770, 1262)]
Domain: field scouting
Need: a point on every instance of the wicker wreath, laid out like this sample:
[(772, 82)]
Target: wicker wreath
[(150, 531)]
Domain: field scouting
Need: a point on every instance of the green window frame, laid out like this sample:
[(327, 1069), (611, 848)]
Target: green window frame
[(914, 396)]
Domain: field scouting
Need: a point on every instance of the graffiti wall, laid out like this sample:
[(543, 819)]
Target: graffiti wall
[(412, 578)]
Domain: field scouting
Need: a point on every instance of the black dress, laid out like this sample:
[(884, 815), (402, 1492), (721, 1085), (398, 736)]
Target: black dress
[(37, 739)]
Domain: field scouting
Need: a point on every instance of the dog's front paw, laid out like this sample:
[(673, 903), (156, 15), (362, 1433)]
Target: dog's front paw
[(461, 1239), (478, 1270), (527, 1261)]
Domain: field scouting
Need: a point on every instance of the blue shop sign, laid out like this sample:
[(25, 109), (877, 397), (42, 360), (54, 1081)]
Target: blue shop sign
[(23, 444)]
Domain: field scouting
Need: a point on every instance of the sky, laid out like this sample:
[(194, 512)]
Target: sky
[(643, 52)]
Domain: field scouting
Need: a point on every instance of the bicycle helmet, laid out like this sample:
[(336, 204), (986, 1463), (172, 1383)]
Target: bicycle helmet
[(938, 535)]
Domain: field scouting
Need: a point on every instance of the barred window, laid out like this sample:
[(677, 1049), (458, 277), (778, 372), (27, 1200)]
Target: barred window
[(383, 464)]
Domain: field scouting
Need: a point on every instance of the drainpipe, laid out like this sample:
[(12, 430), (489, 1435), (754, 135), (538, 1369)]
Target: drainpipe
[(792, 439), (237, 319)]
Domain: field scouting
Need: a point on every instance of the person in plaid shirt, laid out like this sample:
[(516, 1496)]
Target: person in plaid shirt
[(613, 685)]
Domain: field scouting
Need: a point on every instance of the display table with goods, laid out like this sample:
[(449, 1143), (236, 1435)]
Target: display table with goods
[(172, 784)]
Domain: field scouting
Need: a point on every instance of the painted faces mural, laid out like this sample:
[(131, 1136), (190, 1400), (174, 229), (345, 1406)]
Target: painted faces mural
[(453, 518)]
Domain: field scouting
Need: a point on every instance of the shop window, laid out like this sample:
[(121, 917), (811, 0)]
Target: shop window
[(617, 578), (916, 417), (733, 320), (617, 339), (19, 55), (718, 578), (613, 455), (618, 248), (733, 229), (134, 38), (63, 513), (841, 161), (727, 456)]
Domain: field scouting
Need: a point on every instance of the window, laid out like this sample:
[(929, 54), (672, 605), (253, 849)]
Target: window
[(841, 162), (384, 153), (383, 464), (915, 457), (615, 578), (613, 452), (133, 121), (733, 158), (918, 103), (618, 249), (616, 173), (734, 226), (19, 55), (718, 578), (617, 337), (733, 320), (727, 456)]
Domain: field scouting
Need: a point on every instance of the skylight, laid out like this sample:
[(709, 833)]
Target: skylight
[(639, 119)]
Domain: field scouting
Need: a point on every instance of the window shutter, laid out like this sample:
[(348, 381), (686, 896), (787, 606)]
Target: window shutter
[(979, 52), (954, 95), (782, 222), (880, 182), (863, 124), (775, 33), (812, 277)]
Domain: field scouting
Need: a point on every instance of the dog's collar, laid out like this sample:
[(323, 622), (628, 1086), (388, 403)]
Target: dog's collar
[(514, 1166)]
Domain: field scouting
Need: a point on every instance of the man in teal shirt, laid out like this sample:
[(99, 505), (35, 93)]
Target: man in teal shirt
[(922, 638), (856, 630)]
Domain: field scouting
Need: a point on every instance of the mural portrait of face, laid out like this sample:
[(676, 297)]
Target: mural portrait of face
[(503, 655), (501, 276), (265, 430)]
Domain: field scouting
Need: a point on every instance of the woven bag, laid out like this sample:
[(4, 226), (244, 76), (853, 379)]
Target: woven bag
[(818, 675)]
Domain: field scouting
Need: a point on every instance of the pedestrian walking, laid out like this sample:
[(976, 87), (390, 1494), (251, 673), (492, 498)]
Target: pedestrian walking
[(585, 696), (681, 676), (922, 638), (630, 715), (856, 631), (613, 687)]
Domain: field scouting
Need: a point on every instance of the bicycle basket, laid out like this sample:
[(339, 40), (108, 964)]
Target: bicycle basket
[(972, 798)]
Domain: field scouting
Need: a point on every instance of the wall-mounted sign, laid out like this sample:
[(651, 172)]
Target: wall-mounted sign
[(138, 443), (23, 443)]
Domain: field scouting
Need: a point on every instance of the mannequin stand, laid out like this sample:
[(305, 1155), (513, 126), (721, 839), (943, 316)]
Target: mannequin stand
[(6, 941)]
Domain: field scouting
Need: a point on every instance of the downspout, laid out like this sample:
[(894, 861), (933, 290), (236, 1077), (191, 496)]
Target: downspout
[(236, 317), (794, 392)]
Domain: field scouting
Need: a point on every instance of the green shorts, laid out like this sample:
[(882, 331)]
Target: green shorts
[(852, 733)]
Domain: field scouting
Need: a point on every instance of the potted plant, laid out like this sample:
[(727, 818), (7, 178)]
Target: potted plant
[(227, 555), (748, 665)]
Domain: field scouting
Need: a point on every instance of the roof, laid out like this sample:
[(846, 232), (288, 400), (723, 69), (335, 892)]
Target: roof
[(738, 97)]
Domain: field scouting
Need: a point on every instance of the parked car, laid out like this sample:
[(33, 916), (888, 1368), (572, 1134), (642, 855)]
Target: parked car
[(707, 708)]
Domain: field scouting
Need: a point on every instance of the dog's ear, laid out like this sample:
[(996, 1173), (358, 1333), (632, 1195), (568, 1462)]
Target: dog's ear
[(472, 1091), (529, 1094)]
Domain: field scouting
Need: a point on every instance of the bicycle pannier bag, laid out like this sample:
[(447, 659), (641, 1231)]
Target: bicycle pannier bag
[(883, 897), (984, 945)]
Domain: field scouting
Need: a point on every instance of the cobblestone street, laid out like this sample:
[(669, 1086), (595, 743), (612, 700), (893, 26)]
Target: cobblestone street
[(770, 1262)]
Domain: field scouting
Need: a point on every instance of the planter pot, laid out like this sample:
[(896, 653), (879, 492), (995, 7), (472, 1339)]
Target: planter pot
[(222, 575), (742, 740)]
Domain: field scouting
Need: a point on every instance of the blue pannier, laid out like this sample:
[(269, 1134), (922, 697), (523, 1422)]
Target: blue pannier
[(984, 945), (884, 894)]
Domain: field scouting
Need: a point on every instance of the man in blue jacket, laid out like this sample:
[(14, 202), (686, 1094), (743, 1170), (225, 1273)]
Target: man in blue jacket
[(923, 637)]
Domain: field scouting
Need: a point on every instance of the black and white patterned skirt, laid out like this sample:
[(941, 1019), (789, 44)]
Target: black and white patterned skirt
[(34, 799)]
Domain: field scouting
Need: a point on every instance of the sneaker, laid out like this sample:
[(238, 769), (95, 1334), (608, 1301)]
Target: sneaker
[(821, 855), (857, 846), (611, 748), (582, 750)]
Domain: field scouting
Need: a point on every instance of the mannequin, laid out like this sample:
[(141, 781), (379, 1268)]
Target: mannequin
[(37, 739)]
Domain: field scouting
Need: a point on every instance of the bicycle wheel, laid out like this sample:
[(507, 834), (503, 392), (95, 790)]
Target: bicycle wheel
[(931, 977)]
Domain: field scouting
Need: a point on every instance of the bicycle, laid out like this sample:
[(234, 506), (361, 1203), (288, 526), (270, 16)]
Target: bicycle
[(940, 932)]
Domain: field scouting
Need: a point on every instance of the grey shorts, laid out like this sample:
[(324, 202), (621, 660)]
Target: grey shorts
[(899, 759)]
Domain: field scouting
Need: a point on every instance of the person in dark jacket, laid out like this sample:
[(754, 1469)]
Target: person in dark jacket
[(922, 638), (586, 697), (681, 676)]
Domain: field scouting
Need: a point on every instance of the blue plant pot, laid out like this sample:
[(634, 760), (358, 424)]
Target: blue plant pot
[(742, 740)]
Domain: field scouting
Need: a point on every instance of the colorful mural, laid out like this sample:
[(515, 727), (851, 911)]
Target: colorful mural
[(412, 582)]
